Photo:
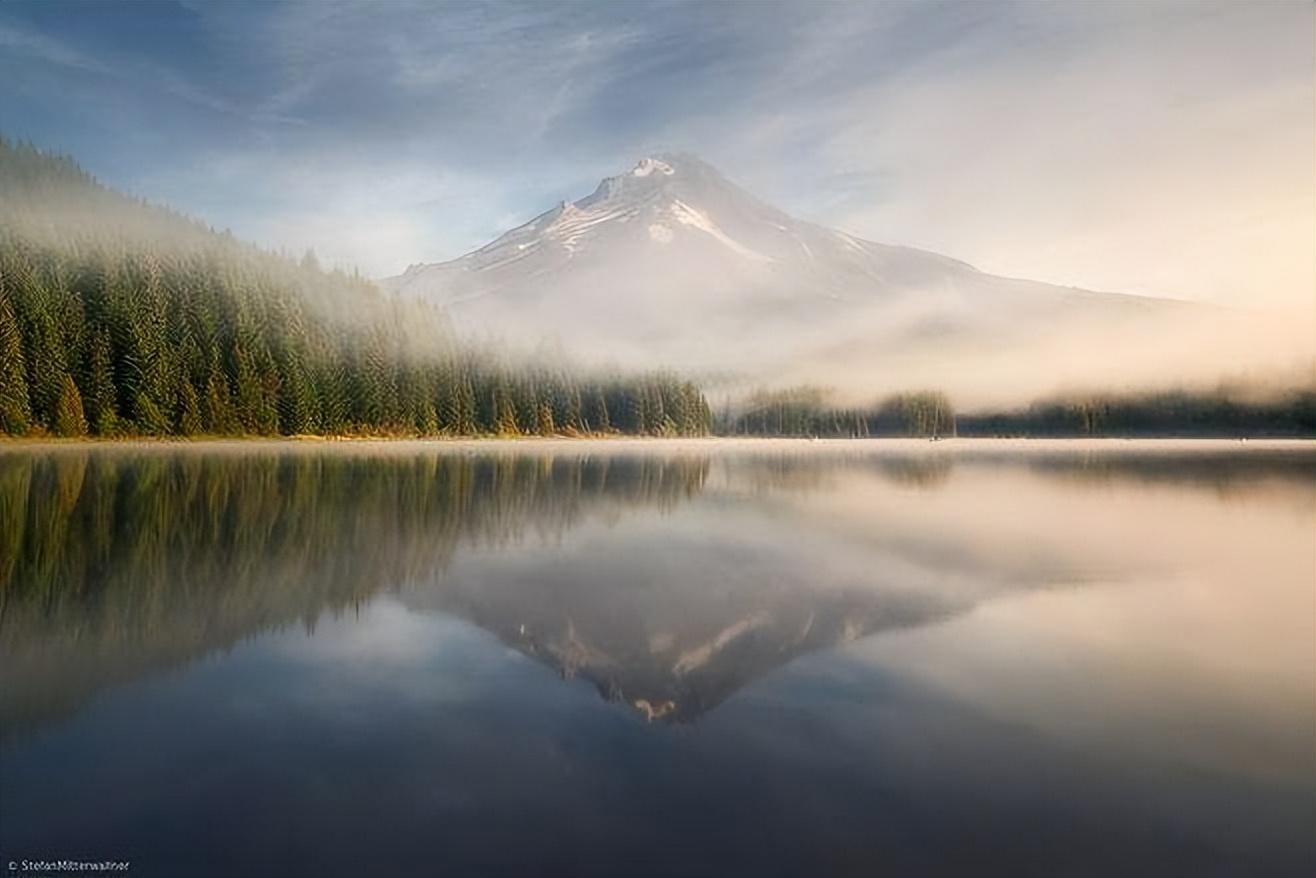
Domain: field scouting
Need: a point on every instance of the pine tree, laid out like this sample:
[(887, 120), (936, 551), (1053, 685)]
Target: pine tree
[(332, 389), (69, 419), (217, 414), (427, 421), (655, 416), (46, 368), (525, 404), (602, 423), (267, 411), (296, 400), (144, 335), (15, 410), (465, 422), (249, 400), (449, 405), (544, 420), (636, 410), (189, 411), (574, 410), (416, 409), (505, 414), (147, 417), (102, 407), (375, 396)]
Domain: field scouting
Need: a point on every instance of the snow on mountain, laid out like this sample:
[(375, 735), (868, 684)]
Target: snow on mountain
[(671, 263), (663, 206)]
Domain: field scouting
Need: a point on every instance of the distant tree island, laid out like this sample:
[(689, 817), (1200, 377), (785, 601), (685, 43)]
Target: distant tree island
[(804, 411)]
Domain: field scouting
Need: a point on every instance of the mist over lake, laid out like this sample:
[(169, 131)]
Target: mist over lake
[(767, 658)]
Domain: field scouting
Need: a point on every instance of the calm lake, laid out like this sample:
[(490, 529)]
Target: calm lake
[(702, 658)]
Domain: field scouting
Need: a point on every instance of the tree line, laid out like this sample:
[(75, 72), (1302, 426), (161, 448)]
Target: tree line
[(121, 318), (1224, 412), (1164, 413), (805, 411)]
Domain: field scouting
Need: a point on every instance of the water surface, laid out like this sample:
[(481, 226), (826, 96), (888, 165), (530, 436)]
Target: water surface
[(767, 658)]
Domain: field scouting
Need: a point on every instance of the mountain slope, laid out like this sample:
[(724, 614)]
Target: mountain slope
[(672, 262), (121, 318)]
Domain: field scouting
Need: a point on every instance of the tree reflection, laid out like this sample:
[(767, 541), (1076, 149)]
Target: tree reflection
[(113, 564)]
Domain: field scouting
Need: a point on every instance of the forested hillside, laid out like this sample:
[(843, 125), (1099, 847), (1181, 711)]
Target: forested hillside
[(120, 318)]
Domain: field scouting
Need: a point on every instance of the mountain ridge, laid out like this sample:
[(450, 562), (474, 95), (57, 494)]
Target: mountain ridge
[(672, 262), (668, 184)]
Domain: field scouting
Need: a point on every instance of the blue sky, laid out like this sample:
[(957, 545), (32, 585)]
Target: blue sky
[(1147, 147)]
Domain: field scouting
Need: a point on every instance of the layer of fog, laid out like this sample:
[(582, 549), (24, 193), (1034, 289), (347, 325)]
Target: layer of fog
[(993, 351), (888, 320)]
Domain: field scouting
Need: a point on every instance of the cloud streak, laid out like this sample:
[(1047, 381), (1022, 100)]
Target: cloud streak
[(1153, 148)]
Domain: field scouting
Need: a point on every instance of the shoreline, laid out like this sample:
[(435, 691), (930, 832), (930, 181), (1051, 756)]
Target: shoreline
[(688, 443)]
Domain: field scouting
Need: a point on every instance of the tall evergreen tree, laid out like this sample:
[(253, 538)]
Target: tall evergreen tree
[(601, 422), (544, 421), (46, 366), (217, 413), (100, 399), (465, 406), (189, 411), (505, 412), (15, 410), (69, 419), (296, 398)]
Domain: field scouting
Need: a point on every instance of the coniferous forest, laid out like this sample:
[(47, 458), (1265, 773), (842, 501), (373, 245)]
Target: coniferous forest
[(806, 411), (1223, 412), (1220, 413), (122, 318)]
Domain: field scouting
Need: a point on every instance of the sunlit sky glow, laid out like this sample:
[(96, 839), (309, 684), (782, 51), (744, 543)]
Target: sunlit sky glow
[(1156, 148)]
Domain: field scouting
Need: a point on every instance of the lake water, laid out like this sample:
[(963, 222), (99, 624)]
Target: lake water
[(765, 658)]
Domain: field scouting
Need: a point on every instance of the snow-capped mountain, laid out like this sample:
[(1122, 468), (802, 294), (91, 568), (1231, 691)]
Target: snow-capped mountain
[(671, 263)]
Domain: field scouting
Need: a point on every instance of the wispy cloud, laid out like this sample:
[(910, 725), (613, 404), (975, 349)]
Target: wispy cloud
[(49, 50), (1161, 148)]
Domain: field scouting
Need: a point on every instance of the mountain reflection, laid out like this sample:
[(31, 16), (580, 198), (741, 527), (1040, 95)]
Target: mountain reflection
[(115, 564)]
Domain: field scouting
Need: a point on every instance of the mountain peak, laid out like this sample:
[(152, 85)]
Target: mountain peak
[(649, 165), (669, 260), (674, 205), (671, 181), (650, 176)]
